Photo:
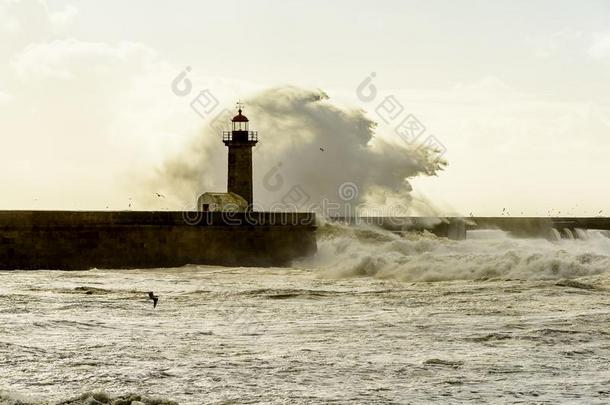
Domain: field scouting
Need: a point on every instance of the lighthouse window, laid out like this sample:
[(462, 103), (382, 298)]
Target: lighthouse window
[(240, 126)]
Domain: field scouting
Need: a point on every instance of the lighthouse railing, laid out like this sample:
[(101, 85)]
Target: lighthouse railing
[(228, 135)]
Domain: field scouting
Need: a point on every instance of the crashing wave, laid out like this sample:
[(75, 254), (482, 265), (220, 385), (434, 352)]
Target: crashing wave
[(356, 251)]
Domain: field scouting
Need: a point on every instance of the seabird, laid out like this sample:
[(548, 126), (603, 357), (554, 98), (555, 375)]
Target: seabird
[(160, 195), (322, 149), (154, 298)]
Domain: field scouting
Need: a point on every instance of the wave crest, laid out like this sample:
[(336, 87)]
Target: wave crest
[(352, 251)]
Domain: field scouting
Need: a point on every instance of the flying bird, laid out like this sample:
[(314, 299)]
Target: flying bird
[(154, 298), (322, 149), (160, 195)]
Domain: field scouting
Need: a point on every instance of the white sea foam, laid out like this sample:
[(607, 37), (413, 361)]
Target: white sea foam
[(88, 398), (272, 335), (346, 251), (14, 398)]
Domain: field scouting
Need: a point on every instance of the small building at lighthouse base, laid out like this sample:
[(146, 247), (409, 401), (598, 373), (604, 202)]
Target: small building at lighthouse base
[(221, 202)]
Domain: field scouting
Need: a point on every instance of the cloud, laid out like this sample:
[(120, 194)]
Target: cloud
[(600, 47), (80, 113), (514, 149), (574, 45), (67, 59), (488, 88), (5, 98), (24, 22), (63, 19), (560, 41)]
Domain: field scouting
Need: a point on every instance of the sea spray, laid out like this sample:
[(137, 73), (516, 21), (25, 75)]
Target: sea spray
[(307, 143), (355, 251)]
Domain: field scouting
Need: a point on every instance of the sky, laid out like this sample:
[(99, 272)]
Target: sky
[(516, 94)]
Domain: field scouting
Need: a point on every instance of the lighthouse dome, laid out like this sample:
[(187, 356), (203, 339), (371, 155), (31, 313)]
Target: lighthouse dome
[(239, 117)]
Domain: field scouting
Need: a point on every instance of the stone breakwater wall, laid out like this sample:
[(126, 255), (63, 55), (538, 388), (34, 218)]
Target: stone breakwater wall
[(70, 240)]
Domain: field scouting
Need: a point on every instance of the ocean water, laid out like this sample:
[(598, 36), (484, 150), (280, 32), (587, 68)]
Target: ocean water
[(373, 318)]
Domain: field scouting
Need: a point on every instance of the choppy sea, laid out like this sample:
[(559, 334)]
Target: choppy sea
[(372, 318)]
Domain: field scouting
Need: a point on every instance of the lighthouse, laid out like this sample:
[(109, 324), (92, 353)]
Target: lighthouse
[(240, 141)]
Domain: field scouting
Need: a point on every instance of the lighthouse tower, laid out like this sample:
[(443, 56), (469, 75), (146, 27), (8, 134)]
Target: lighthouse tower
[(240, 141)]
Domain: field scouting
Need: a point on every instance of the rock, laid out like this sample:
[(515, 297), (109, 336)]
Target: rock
[(101, 396)]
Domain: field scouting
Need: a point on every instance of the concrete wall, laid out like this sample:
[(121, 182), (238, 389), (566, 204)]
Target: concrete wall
[(532, 227), (452, 228), (456, 227), (82, 240)]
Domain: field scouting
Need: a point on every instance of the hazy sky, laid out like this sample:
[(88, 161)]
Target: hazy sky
[(518, 92)]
